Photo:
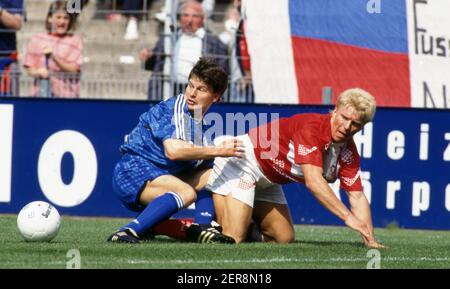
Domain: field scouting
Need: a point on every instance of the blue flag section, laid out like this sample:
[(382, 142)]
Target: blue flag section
[(352, 47), (64, 151)]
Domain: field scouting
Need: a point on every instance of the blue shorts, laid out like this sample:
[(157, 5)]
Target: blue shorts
[(130, 176)]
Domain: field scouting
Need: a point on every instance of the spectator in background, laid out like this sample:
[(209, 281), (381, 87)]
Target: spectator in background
[(192, 42), (241, 89), (55, 57), (11, 17), (208, 8)]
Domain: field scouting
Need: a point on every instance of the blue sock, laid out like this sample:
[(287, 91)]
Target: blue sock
[(157, 211), (204, 208)]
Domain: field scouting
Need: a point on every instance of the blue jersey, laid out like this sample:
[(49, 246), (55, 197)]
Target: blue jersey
[(168, 119), (7, 35)]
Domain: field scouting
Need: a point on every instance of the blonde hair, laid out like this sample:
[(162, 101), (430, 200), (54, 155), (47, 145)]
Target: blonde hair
[(362, 101)]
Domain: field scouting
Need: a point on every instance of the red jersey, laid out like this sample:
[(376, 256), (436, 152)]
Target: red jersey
[(283, 145)]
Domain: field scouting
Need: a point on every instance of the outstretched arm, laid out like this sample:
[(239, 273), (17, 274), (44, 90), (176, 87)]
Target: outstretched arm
[(324, 194), (179, 150), (361, 209)]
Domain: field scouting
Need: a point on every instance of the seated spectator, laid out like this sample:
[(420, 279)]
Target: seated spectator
[(54, 58), (192, 42), (10, 21)]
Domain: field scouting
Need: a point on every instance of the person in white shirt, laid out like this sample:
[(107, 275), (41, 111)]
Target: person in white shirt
[(193, 41)]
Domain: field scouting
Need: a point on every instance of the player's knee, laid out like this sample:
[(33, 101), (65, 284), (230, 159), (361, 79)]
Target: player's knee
[(279, 234), (188, 195), (286, 237)]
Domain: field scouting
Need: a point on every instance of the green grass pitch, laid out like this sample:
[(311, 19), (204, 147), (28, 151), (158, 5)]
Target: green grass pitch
[(315, 247)]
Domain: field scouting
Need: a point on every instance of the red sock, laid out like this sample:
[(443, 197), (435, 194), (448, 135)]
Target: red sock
[(175, 228)]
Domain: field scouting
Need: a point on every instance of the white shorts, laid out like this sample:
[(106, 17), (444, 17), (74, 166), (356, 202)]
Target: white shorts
[(243, 178)]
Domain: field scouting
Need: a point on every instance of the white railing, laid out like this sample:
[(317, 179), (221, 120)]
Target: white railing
[(102, 86), (63, 85), (104, 74)]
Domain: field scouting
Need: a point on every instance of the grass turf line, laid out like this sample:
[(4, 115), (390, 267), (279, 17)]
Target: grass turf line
[(315, 247)]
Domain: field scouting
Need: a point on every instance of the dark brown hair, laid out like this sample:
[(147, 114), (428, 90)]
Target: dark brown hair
[(211, 73), (60, 5)]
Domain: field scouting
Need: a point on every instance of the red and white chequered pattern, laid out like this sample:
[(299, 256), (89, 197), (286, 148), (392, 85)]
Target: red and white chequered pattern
[(278, 163), (350, 181), (303, 150), (347, 156), (246, 183), (278, 166)]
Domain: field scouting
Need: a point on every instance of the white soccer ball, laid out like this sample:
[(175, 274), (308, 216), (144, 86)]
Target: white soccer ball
[(38, 222)]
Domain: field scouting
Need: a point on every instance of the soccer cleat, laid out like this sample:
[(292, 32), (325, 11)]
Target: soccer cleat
[(211, 235), (216, 226), (125, 236), (148, 235)]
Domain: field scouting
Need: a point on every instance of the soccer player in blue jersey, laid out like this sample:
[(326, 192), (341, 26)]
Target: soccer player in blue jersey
[(168, 142)]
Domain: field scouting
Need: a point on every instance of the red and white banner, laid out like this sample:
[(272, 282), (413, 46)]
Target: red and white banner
[(399, 50)]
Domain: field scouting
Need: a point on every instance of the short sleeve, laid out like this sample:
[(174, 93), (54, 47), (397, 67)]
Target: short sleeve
[(162, 122), (349, 172), (308, 149), (15, 7), (32, 57), (76, 56)]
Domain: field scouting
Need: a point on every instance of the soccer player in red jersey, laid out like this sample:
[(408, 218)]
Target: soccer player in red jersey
[(313, 149)]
